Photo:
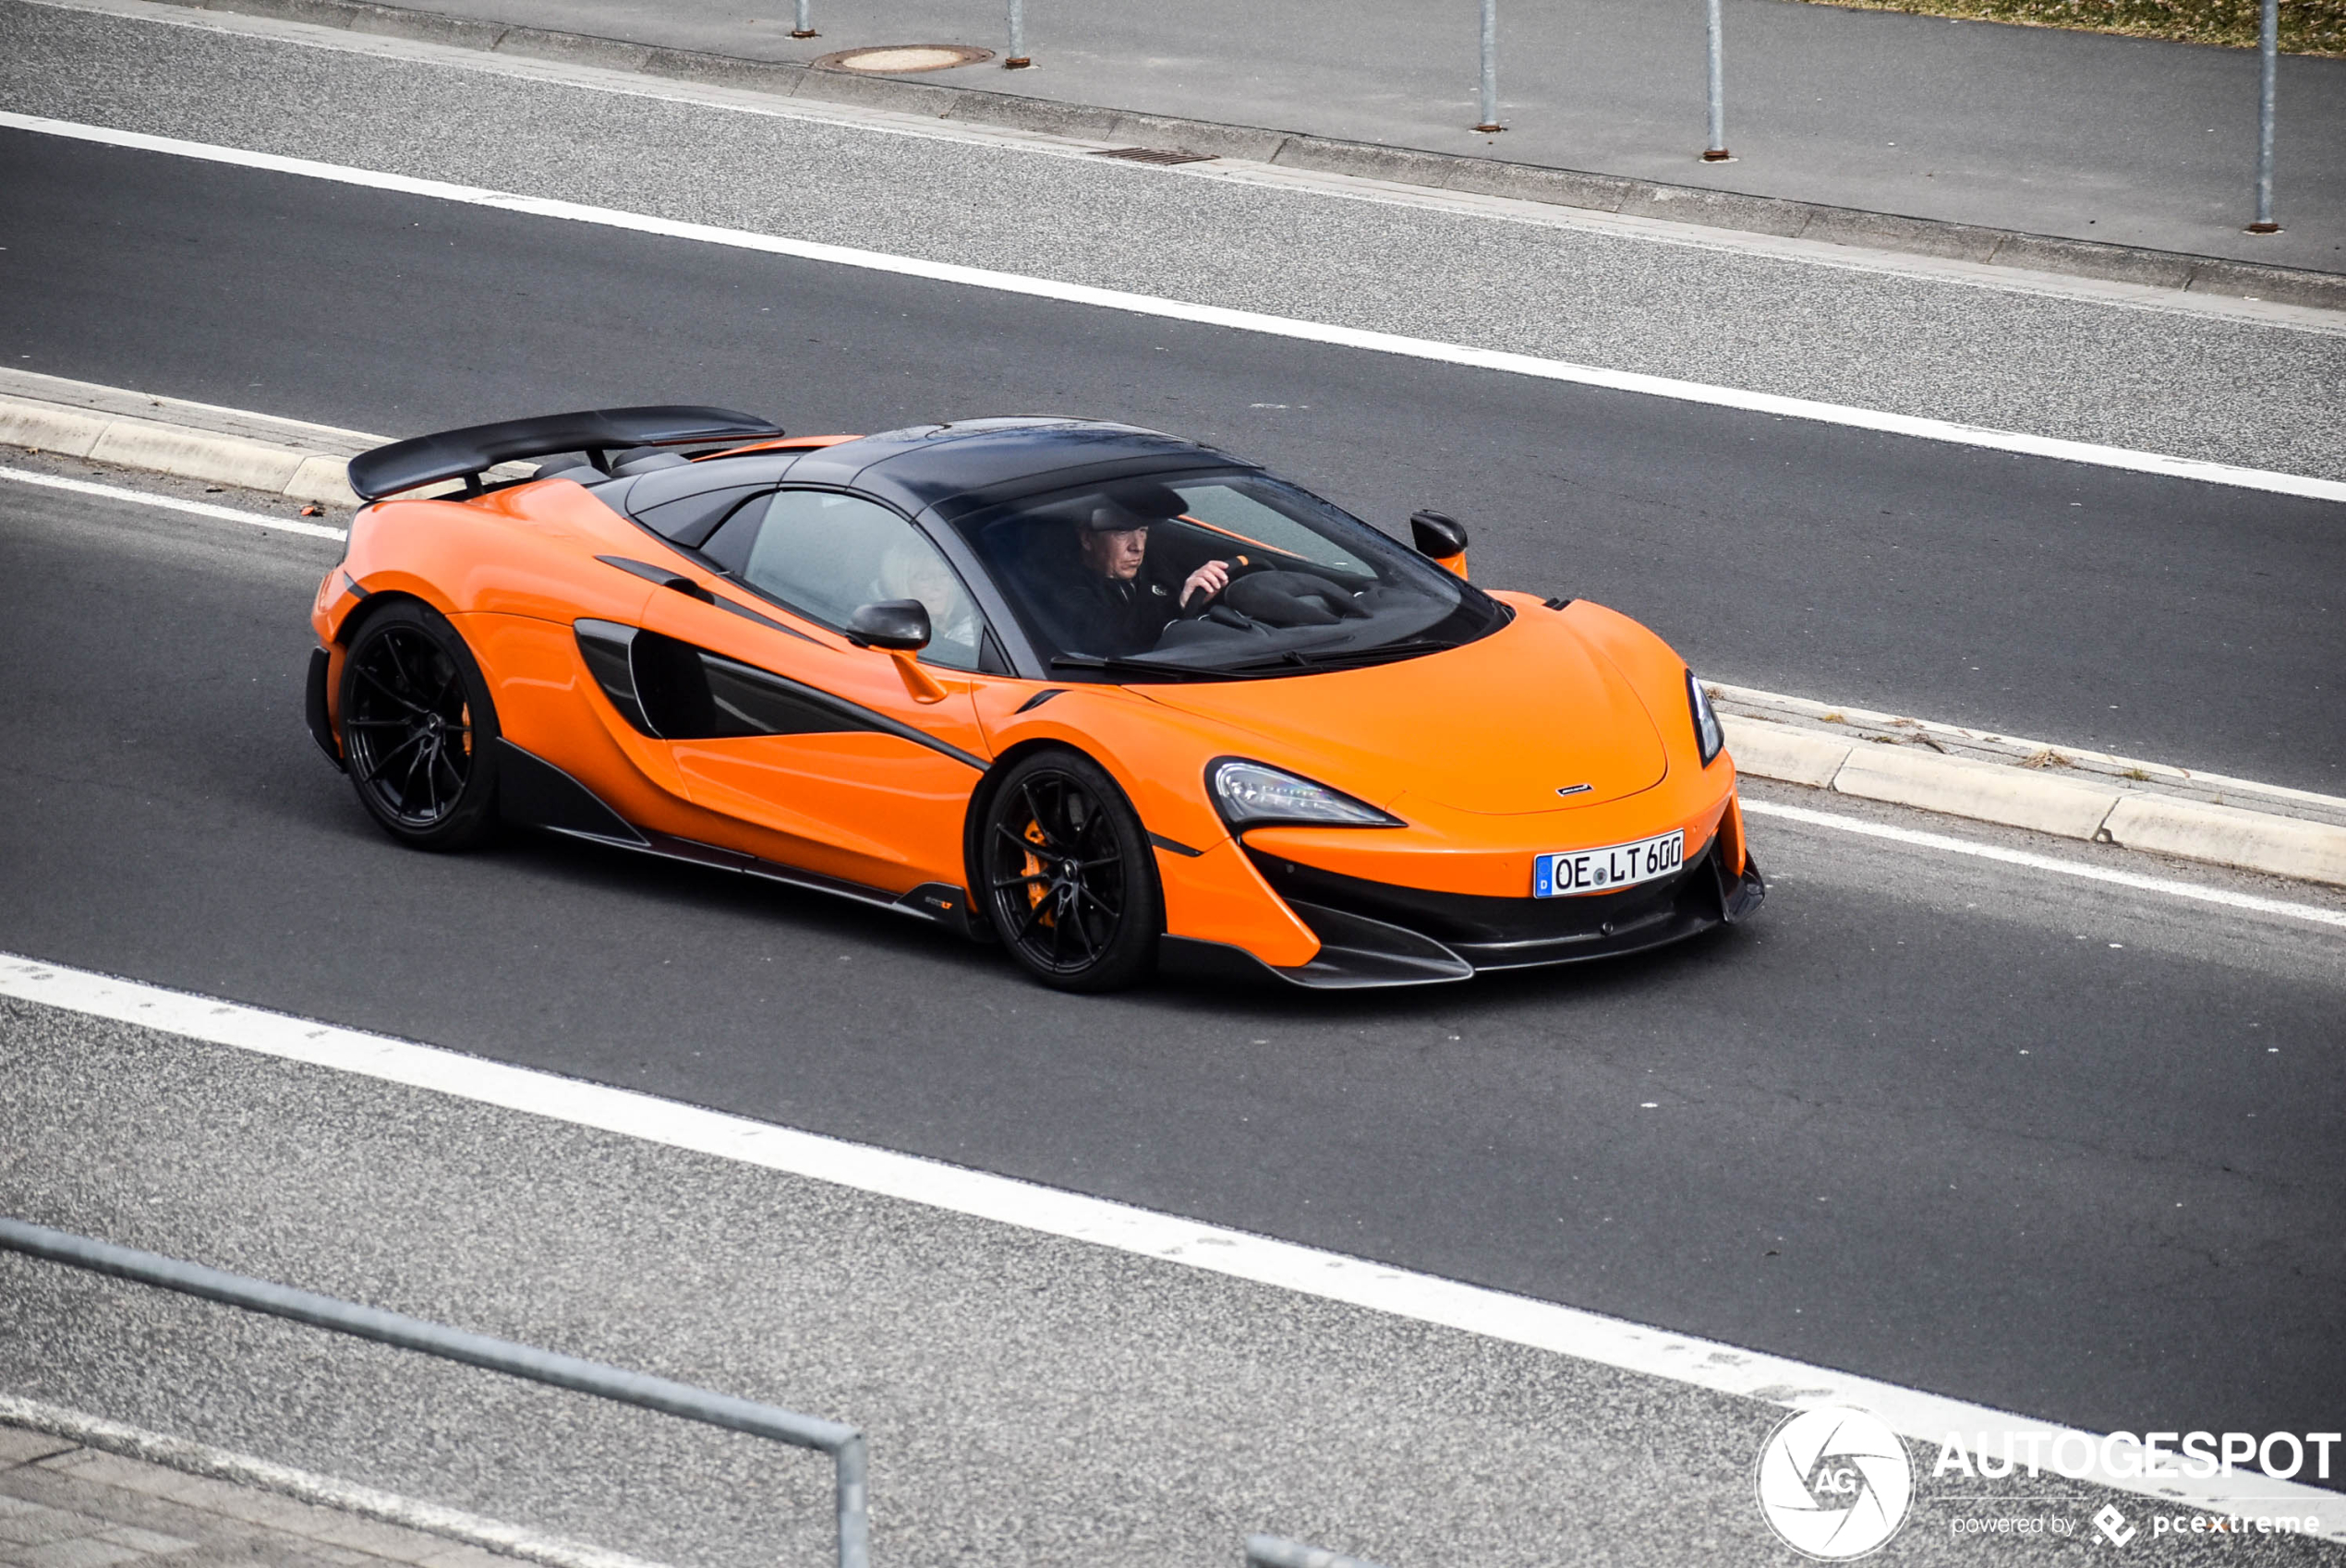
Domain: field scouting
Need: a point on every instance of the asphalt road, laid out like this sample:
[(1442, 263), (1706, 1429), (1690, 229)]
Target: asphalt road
[(2161, 371), (2184, 623), (2131, 140), (2049, 1146), (1028, 1399)]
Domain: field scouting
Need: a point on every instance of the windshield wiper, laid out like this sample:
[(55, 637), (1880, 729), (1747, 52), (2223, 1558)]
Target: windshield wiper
[(1295, 659), (1142, 667)]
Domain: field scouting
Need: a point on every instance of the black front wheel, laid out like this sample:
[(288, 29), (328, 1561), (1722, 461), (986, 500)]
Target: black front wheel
[(1067, 876), (416, 724)]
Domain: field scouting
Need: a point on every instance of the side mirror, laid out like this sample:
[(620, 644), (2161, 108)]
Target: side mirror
[(1440, 539), (898, 625)]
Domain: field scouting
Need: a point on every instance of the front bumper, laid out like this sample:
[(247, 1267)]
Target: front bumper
[(1378, 935)]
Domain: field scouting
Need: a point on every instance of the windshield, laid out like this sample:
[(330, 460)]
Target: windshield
[(1193, 575)]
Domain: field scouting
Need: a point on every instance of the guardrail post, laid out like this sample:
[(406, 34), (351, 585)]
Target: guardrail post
[(854, 1507), (1715, 151), (2269, 52), (1490, 68)]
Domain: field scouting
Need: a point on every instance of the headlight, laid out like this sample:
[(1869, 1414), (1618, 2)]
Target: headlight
[(1251, 795), (1708, 736)]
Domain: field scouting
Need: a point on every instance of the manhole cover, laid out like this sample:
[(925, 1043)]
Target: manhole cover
[(892, 59), (1154, 155)]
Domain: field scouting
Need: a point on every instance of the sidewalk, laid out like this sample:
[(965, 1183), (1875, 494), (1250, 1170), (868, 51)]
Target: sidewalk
[(63, 1505), (2083, 135)]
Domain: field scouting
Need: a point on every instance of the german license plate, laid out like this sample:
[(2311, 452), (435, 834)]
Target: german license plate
[(1602, 871)]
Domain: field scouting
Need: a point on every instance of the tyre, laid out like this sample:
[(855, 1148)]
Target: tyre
[(416, 727), (1067, 876)]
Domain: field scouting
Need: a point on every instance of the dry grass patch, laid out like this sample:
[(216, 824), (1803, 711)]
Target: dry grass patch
[(2307, 27)]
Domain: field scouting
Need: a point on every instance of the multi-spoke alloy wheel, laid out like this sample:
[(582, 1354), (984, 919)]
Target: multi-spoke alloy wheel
[(416, 727), (1069, 879)]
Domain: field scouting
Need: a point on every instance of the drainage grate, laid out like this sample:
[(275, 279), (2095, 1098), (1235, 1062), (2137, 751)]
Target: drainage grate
[(1154, 155)]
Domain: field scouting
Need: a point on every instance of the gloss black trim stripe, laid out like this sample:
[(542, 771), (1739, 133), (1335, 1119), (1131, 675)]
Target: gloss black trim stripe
[(853, 716), (747, 614), (1162, 842), (1039, 698), (659, 574)]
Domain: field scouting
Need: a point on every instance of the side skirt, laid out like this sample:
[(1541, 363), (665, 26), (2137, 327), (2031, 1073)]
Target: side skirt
[(533, 792)]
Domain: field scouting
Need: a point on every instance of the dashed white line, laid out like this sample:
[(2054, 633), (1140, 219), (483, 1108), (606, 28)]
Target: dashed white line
[(1215, 314), (172, 503), (2171, 886)]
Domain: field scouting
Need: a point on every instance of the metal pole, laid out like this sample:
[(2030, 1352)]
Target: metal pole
[(1490, 68), (2269, 47), (805, 25), (1016, 59), (843, 1443), (1715, 150)]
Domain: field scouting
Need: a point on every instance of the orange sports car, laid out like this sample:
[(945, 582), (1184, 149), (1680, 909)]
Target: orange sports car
[(1100, 695)]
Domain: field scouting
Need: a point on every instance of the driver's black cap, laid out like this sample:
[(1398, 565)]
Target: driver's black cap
[(1134, 505)]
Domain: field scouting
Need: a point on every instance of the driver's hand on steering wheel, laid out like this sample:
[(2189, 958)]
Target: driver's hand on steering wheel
[(1207, 580)]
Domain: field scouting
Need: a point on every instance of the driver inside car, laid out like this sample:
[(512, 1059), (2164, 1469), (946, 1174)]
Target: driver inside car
[(1111, 606)]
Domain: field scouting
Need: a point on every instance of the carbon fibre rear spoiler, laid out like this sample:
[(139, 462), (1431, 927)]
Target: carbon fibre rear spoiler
[(467, 453)]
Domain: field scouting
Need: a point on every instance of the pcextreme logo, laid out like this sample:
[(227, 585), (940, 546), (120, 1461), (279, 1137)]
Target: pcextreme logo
[(1834, 1483)]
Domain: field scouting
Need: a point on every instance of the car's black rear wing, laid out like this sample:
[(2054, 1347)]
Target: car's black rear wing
[(469, 452)]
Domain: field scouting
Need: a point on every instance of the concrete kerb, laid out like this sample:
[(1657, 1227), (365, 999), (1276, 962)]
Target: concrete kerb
[(1620, 195), (200, 1459), (2016, 796), (307, 462)]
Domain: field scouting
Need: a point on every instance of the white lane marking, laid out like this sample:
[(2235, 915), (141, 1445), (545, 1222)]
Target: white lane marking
[(1827, 253), (2169, 885), (172, 503), (1218, 316), (1427, 1298)]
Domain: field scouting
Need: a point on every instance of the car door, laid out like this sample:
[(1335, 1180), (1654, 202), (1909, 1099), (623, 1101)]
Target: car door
[(807, 735)]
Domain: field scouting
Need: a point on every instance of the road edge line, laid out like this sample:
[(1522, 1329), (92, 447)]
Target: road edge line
[(1535, 366), (1724, 213), (1682, 1359)]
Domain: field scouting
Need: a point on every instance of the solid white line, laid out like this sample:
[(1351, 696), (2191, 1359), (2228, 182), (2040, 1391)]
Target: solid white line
[(1215, 314), (1566, 1331), (2034, 861), (172, 503)]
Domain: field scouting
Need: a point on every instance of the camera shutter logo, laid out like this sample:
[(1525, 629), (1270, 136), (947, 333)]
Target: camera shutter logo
[(1834, 1483)]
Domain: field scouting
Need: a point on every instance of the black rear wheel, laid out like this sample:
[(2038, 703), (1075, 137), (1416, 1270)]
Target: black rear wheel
[(1067, 876), (416, 724)]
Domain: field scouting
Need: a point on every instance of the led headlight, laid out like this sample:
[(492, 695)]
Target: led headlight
[(1708, 736), (1248, 794)]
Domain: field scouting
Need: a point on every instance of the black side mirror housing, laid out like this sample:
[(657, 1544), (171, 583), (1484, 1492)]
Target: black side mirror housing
[(1441, 539), (898, 625), (1437, 534)]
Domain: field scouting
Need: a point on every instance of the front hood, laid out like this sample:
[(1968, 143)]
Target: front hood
[(1500, 726)]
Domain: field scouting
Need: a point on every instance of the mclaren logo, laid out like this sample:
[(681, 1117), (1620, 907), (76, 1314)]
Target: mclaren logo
[(1574, 789)]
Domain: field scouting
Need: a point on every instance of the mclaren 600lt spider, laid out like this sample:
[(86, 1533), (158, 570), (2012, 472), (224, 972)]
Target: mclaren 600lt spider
[(1099, 694)]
